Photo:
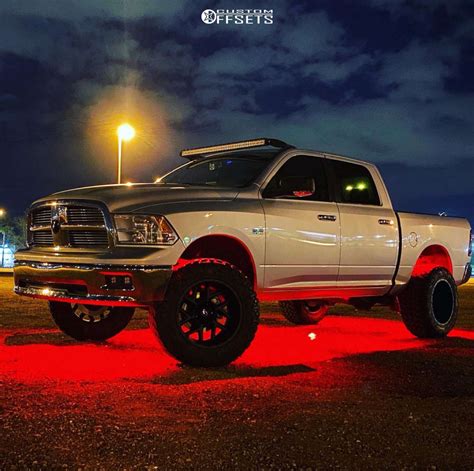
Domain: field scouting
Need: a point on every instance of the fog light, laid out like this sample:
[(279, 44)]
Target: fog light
[(123, 282)]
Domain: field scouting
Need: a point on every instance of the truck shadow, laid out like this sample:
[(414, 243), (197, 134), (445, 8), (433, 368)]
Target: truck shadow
[(39, 338), (186, 375), (440, 370)]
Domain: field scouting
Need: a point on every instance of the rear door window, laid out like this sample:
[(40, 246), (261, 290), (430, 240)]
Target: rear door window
[(353, 183)]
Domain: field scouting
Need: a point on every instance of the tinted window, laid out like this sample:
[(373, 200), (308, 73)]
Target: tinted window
[(301, 166), (223, 172), (354, 184)]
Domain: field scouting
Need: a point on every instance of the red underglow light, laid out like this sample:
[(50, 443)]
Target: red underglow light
[(431, 258), (135, 355)]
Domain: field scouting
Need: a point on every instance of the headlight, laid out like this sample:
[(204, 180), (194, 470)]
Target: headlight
[(137, 229)]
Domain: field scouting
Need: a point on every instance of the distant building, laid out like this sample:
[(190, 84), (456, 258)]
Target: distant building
[(6, 255)]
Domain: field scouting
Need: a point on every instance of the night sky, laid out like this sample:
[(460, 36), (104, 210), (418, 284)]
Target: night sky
[(387, 81)]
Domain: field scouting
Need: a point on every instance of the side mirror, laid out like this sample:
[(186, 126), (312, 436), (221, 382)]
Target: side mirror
[(298, 187)]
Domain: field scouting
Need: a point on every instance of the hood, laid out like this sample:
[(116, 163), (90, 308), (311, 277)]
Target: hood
[(140, 195)]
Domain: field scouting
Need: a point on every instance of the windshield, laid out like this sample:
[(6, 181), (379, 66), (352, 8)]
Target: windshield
[(227, 171)]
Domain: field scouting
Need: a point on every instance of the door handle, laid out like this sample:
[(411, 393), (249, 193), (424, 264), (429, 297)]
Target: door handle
[(386, 222), (326, 217)]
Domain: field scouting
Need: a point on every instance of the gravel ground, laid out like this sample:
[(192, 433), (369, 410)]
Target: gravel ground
[(363, 395)]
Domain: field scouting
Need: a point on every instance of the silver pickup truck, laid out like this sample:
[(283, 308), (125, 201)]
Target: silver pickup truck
[(236, 224)]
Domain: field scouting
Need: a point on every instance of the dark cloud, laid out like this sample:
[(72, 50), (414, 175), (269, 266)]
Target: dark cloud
[(389, 81)]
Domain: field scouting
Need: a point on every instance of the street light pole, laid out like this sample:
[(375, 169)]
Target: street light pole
[(119, 162), (125, 132), (3, 248), (2, 214)]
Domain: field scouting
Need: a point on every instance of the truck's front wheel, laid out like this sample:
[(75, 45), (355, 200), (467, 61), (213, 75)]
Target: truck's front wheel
[(429, 304), (90, 322), (209, 315)]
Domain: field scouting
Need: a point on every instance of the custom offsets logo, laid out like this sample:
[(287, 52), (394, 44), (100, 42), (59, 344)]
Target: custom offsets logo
[(238, 17)]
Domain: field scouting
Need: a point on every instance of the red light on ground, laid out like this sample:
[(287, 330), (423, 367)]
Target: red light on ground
[(135, 354)]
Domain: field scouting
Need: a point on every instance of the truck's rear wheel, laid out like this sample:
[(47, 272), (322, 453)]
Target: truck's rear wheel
[(303, 312), (209, 316), (90, 322), (429, 304)]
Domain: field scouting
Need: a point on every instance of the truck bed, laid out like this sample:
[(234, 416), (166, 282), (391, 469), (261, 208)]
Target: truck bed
[(450, 235)]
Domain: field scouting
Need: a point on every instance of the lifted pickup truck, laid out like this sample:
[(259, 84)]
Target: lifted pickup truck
[(238, 223)]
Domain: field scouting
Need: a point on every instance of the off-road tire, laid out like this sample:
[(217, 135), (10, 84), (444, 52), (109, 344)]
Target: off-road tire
[(429, 304), (297, 313), (64, 317), (164, 317)]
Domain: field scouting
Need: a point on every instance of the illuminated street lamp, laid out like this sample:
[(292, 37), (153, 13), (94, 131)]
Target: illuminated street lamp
[(125, 132), (2, 212)]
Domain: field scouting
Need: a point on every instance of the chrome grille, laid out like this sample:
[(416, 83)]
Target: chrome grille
[(41, 216), (88, 238), (81, 226), (77, 215), (42, 238)]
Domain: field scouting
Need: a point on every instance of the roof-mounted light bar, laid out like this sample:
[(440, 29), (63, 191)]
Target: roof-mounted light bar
[(199, 151)]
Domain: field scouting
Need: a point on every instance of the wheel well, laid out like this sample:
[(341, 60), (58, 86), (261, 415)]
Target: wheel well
[(434, 256), (222, 247)]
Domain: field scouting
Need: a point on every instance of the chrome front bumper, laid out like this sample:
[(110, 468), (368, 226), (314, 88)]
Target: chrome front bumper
[(88, 284)]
